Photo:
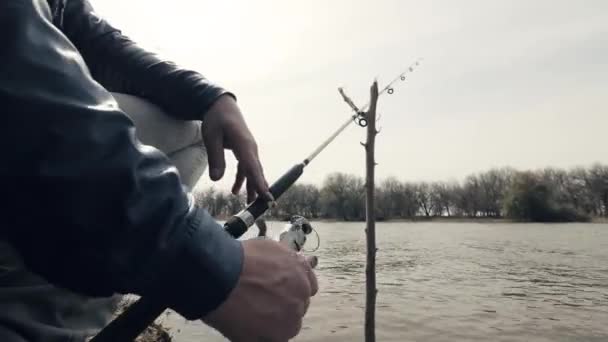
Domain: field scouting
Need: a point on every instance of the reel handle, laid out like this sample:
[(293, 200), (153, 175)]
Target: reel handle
[(294, 237)]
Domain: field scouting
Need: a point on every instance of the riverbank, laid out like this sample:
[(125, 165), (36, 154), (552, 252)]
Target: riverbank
[(423, 219), (452, 219)]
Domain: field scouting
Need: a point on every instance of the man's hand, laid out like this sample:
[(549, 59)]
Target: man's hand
[(225, 128), (271, 297)]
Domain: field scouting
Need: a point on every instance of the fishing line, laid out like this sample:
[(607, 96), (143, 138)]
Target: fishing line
[(318, 242), (360, 116)]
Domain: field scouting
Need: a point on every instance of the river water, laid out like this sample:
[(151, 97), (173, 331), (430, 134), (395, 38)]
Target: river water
[(456, 282)]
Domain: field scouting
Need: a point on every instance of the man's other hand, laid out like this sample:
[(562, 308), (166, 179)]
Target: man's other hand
[(271, 297), (224, 128)]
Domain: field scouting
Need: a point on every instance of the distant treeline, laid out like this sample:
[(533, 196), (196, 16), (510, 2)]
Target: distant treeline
[(546, 195)]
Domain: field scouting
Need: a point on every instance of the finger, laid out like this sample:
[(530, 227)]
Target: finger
[(255, 173), (238, 181), (295, 329), (214, 143), (305, 307), (250, 191), (261, 185), (310, 262), (312, 277)]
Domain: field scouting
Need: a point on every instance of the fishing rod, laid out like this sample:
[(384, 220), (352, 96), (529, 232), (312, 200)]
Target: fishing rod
[(238, 224), (138, 316)]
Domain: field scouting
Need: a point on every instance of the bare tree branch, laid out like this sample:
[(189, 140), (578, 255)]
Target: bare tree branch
[(348, 100), (370, 214)]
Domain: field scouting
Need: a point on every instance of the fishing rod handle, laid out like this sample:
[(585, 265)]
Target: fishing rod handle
[(238, 224), (132, 322)]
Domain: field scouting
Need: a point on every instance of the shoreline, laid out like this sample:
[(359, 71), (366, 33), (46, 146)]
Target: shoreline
[(428, 219), (460, 220), (453, 219)]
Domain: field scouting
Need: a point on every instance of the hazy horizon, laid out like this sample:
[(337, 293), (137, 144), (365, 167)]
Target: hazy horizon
[(503, 83)]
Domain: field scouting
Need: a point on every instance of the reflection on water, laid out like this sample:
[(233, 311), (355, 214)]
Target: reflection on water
[(458, 282)]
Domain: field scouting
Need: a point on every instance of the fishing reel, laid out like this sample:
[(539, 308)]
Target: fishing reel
[(294, 234)]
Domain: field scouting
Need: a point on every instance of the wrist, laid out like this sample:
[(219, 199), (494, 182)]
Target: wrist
[(224, 101), (224, 111), (205, 266)]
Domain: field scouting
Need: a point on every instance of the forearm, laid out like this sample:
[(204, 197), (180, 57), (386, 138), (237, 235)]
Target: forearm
[(93, 209), (120, 65)]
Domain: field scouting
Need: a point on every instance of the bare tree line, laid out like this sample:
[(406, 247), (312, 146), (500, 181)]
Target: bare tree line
[(495, 193)]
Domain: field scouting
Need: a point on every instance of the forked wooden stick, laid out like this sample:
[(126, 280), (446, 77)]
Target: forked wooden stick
[(370, 218), (370, 212)]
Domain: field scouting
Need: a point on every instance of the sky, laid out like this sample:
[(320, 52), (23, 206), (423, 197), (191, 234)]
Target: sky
[(502, 83)]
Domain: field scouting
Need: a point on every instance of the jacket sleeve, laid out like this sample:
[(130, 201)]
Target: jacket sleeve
[(120, 65), (91, 208)]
